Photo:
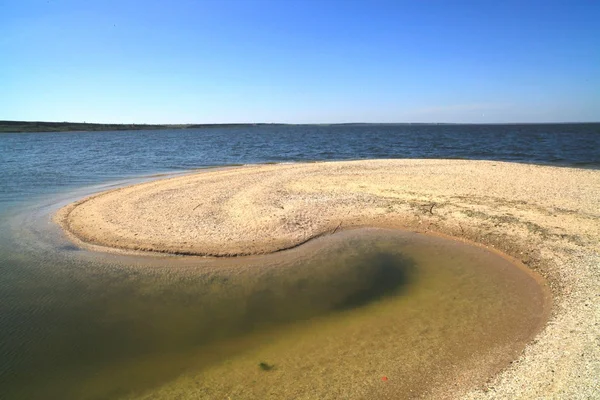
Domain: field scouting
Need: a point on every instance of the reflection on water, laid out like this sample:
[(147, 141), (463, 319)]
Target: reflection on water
[(326, 319)]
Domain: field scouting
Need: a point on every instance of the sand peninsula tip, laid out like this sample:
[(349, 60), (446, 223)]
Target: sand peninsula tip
[(547, 217)]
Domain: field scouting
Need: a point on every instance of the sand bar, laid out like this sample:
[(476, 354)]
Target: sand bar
[(547, 217)]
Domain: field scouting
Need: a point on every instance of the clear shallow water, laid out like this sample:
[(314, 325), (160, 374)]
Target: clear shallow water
[(79, 325), (330, 317)]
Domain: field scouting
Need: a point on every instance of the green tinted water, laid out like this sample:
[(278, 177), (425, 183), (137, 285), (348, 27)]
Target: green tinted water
[(328, 319)]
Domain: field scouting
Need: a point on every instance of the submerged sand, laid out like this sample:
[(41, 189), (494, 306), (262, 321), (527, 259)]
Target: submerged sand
[(546, 217)]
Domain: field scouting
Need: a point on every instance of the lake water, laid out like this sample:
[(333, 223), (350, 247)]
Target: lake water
[(75, 324), (40, 163)]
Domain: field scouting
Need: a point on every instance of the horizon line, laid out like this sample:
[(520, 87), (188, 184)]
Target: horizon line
[(183, 124)]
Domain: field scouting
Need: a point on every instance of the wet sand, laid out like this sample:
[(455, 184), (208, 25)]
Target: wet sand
[(547, 217)]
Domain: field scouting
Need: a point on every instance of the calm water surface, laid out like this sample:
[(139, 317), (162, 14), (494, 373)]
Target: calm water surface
[(74, 324), (34, 163)]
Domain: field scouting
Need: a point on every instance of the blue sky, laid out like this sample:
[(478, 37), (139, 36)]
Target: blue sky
[(193, 61)]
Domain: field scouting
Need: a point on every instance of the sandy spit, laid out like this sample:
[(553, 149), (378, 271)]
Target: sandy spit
[(547, 217)]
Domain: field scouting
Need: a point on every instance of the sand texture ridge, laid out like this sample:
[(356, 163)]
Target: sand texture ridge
[(546, 217)]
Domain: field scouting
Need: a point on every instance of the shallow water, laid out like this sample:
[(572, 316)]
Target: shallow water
[(327, 319)]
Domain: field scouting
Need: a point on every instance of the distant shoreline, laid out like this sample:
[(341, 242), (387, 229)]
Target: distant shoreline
[(26, 126), (41, 126)]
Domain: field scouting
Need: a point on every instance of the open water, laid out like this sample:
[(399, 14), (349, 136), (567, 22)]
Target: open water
[(40, 163)]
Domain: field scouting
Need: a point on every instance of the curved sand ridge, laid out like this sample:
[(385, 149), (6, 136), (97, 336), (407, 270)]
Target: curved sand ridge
[(547, 217)]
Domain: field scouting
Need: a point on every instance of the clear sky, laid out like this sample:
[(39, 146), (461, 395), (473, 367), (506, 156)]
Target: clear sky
[(312, 61)]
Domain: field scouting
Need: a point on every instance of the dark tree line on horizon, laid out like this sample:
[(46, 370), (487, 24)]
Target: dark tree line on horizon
[(39, 126)]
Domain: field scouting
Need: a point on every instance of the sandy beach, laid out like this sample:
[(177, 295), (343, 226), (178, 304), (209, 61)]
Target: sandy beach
[(546, 217)]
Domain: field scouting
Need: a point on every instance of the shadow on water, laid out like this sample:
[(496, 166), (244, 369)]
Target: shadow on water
[(385, 275), (68, 247), (354, 282), (136, 329)]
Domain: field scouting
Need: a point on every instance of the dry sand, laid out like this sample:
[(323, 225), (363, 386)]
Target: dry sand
[(547, 217)]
